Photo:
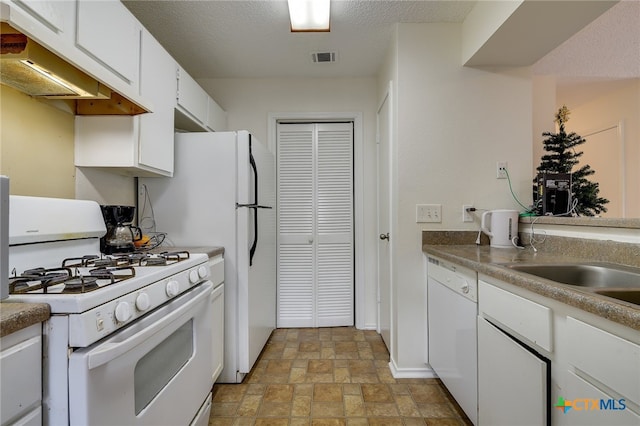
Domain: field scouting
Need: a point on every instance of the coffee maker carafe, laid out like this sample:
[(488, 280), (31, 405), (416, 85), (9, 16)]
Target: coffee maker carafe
[(121, 234)]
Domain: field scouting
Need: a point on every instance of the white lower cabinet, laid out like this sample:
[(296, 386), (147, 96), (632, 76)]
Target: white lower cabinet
[(513, 375), (585, 407), (21, 378), (512, 380), (216, 265), (594, 363), (602, 377)]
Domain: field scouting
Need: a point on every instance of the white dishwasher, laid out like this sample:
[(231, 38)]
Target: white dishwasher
[(452, 310)]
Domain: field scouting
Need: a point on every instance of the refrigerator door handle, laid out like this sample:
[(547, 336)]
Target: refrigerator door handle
[(254, 245), (252, 162), (253, 206)]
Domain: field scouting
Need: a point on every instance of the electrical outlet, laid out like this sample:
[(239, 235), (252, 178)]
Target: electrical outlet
[(466, 216), (501, 170), (428, 213)]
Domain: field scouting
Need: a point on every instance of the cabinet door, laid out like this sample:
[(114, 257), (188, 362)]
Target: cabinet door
[(192, 99), (21, 379), (217, 117), (109, 33), (158, 84), (50, 13), (512, 382)]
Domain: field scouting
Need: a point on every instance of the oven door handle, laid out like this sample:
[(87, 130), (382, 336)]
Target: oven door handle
[(111, 350)]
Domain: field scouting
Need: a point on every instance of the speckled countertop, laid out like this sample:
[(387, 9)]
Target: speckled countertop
[(211, 251), (487, 260), (16, 316)]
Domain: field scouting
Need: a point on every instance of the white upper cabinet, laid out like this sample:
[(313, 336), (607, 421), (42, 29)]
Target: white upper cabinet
[(192, 100), (158, 84), (50, 13), (99, 37), (216, 117), (140, 145), (196, 111), (109, 33), (51, 23)]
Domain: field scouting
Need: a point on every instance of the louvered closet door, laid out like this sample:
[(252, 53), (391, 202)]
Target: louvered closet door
[(315, 206)]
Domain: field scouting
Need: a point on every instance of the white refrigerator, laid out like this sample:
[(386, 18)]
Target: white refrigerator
[(222, 193)]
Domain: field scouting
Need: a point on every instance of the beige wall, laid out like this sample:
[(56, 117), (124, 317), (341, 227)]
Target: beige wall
[(37, 153), (602, 105), (617, 107), (36, 146)]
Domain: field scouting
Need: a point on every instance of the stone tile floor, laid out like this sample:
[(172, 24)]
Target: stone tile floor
[(330, 376)]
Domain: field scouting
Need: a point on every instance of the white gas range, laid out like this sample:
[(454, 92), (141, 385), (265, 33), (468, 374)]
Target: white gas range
[(129, 338)]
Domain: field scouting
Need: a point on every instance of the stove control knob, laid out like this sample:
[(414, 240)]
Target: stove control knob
[(143, 302), (123, 312), (193, 276), (203, 271), (173, 287)]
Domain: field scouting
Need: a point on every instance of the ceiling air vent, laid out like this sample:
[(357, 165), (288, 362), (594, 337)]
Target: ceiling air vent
[(324, 57)]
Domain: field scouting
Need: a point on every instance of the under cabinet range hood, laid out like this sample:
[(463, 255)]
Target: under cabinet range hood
[(27, 66)]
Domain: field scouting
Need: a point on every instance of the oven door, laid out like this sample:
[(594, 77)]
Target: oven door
[(157, 371)]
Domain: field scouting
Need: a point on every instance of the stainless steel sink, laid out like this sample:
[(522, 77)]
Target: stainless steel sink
[(631, 296), (593, 275)]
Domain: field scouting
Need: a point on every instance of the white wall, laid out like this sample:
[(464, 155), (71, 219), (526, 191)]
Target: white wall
[(249, 102), (453, 125), (105, 187)]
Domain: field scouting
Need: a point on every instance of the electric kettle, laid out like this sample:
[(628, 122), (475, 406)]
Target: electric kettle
[(502, 227)]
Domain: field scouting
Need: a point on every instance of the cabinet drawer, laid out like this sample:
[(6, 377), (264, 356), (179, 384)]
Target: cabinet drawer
[(522, 316), (611, 360), (582, 412)]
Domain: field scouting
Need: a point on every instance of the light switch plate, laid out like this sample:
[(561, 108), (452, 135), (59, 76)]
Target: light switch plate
[(431, 213)]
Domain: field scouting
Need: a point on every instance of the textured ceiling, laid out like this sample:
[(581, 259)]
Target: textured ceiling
[(609, 47), (599, 58), (252, 38), (235, 38)]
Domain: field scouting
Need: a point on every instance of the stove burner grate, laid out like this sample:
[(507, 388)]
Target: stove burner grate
[(80, 284), (44, 277), (34, 280), (106, 270)]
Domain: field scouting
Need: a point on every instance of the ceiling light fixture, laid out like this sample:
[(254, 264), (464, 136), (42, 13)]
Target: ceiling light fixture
[(309, 15)]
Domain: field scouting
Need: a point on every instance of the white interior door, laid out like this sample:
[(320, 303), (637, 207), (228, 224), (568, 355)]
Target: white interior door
[(384, 246), (315, 225)]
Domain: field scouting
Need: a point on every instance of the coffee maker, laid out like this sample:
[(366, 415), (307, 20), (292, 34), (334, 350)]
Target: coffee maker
[(121, 234)]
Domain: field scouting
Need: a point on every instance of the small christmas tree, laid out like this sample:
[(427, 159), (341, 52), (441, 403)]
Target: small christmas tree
[(563, 159)]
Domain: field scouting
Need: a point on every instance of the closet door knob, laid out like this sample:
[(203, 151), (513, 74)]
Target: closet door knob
[(384, 236)]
